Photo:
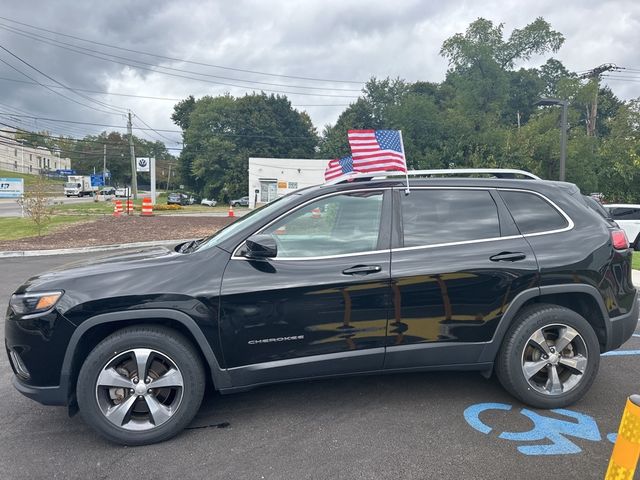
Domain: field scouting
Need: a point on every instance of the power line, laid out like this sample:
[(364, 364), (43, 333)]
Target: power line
[(83, 141), (133, 65), (154, 130), (256, 72), (56, 81), (72, 47), (172, 99), (49, 125), (53, 91), (231, 135)]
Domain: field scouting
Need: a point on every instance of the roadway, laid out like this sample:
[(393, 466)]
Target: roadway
[(9, 207), (420, 425)]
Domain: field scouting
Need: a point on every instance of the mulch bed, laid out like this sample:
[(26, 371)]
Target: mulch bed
[(126, 229)]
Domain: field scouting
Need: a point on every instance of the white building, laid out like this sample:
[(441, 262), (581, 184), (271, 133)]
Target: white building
[(270, 178), (16, 157)]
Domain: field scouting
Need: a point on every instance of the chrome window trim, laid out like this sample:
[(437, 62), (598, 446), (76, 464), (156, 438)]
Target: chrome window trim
[(570, 224), (235, 256)]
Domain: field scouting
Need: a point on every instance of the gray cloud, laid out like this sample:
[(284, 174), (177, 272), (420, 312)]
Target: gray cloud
[(333, 39)]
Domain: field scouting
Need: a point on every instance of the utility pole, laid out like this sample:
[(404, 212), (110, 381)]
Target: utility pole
[(168, 178), (134, 179), (563, 129), (594, 74), (104, 164)]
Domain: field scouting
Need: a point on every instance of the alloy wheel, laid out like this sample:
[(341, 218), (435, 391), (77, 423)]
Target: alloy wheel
[(554, 359), (139, 389)]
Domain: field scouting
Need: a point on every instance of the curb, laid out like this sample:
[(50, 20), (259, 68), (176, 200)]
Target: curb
[(96, 248)]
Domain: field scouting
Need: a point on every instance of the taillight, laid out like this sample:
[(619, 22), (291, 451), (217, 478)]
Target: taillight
[(619, 240)]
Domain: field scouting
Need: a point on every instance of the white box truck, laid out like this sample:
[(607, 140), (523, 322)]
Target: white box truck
[(79, 186)]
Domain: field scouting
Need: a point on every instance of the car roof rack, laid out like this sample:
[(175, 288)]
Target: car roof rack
[(495, 172)]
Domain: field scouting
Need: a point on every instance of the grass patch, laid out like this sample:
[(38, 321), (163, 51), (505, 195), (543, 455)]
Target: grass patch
[(635, 262), (84, 208), (17, 228)]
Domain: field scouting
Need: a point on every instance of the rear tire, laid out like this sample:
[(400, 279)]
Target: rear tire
[(532, 369), (123, 405)]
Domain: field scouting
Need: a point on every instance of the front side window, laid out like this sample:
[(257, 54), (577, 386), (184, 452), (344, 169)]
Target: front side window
[(532, 213), (336, 225), (435, 216)]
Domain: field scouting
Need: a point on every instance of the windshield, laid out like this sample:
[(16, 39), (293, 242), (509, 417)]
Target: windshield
[(251, 218), (70, 185)]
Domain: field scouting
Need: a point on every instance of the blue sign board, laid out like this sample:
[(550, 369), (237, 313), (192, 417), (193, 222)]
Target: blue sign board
[(97, 180), (66, 172), (11, 187)]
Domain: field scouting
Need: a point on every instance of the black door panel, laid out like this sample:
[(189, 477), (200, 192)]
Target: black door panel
[(449, 284), (298, 308), (326, 292)]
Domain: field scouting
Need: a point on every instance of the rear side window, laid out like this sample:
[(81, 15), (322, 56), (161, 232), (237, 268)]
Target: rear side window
[(532, 213), (430, 217), (625, 213)]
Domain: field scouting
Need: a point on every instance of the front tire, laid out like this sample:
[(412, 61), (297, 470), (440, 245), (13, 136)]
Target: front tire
[(141, 385), (549, 357)]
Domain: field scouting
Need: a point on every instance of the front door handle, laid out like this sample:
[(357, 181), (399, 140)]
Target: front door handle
[(362, 270), (508, 257)]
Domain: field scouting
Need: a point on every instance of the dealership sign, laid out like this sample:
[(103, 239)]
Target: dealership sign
[(142, 164), (11, 187)]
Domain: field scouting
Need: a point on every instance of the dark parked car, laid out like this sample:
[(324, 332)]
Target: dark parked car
[(177, 199), (240, 202), (520, 277)]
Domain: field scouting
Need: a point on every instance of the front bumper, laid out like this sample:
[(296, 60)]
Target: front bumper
[(622, 327), (54, 395), (36, 348)]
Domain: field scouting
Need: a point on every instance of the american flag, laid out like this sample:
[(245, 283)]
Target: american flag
[(338, 167), (377, 150)]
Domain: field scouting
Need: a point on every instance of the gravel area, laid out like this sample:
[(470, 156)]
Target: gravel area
[(126, 229)]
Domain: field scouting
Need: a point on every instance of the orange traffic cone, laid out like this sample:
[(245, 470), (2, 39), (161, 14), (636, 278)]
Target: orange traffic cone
[(129, 207), (231, 214), (117, 208), (147, 207)]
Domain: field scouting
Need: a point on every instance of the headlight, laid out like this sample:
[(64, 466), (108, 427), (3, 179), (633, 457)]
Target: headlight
[(28, 303)]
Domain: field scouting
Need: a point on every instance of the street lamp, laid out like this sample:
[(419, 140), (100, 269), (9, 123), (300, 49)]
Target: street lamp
[(563, 129)]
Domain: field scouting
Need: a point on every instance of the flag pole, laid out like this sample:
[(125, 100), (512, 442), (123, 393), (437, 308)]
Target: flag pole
[(406, 168)]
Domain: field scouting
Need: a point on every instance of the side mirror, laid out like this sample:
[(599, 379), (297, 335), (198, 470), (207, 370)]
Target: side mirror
[(261, 246)]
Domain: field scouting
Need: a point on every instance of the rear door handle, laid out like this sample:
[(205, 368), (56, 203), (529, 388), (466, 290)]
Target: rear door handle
[(362, 270), (508, 257)]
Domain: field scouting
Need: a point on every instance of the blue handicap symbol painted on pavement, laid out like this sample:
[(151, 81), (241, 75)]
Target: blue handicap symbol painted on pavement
[(553, 430)]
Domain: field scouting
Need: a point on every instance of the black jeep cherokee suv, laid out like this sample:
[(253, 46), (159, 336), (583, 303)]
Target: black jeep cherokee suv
[(519, 276)]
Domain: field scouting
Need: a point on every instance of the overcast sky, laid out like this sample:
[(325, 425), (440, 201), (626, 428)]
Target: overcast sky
[(323, 39)]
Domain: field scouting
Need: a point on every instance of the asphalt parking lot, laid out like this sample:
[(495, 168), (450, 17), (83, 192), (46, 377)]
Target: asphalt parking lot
[(430, 425)]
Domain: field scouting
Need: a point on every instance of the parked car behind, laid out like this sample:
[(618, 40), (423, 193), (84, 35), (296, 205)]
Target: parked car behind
[(177, 199), (628, 217), (207, 202), (107, 193), (240, 202)]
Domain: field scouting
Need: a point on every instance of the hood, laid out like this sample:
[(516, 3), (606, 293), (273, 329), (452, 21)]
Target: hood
[(103, 265)]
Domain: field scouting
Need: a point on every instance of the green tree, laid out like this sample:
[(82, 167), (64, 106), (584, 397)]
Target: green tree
[(223, 132)]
